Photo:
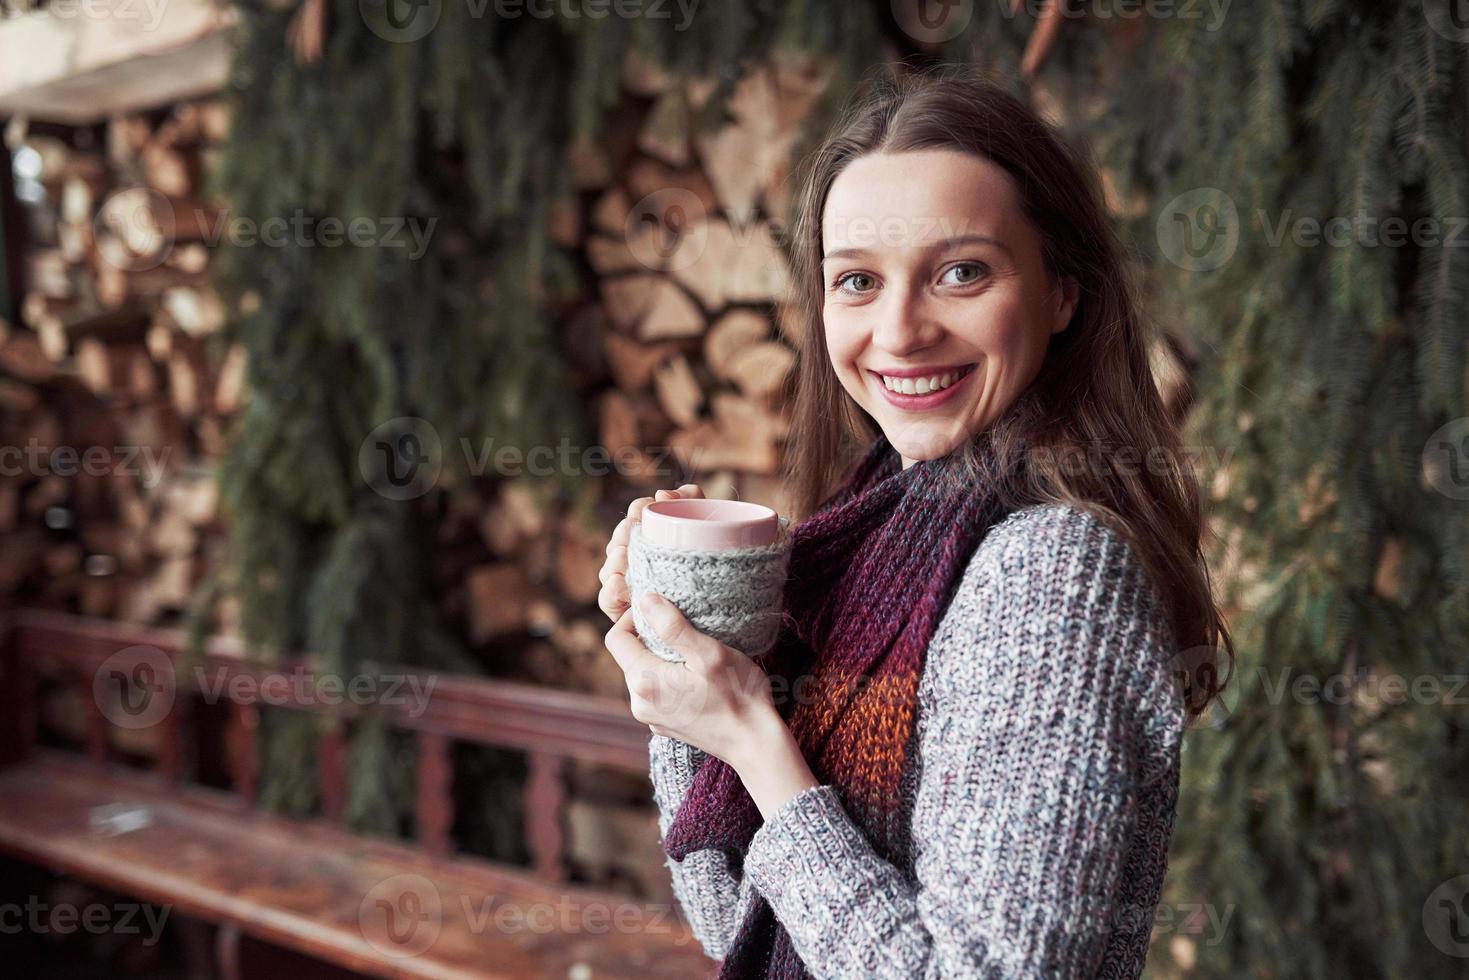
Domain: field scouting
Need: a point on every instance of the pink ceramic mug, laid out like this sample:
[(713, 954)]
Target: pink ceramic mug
[(709, 525)]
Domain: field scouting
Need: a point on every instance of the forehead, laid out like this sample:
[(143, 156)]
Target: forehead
[(917, 197)]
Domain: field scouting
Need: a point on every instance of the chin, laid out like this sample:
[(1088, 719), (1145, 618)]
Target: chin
[(924, 440)]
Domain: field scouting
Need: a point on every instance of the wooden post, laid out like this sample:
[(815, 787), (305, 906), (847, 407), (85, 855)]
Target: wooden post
[(17, 699), (227, 951), (243, 740), (435, 794), (545, 803), (331, 773), (171, 741), (97, 748)]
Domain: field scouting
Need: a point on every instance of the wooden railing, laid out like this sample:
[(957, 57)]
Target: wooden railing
[(549, 726)]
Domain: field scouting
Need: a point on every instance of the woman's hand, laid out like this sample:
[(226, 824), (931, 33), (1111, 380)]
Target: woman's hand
[(614, 597), (718, 699)]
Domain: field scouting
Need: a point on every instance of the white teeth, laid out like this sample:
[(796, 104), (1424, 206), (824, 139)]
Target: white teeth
[(919, 386)]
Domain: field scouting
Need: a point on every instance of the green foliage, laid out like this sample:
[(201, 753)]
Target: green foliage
[(466, 128), (344, 338), (1323, 368)]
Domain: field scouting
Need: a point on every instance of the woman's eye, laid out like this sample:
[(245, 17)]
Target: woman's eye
[(964, 273), (859, 282)]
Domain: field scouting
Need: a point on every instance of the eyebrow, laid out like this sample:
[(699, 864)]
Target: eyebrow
[(942, 246)]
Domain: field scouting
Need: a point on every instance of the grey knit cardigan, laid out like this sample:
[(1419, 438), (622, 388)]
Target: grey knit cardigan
[(1039, 796)]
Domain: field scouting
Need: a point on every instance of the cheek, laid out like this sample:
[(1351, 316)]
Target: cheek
[(1020, 344), (845, 340), (1007, 332)]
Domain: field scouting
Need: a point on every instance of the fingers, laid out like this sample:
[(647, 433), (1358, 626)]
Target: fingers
[(659, 691), (615, 564), (614, 596), (635, 659), (673, 628), (621, 534), (635, 509)]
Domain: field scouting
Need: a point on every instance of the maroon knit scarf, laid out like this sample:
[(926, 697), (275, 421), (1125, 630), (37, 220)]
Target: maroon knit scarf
[(870, 576)]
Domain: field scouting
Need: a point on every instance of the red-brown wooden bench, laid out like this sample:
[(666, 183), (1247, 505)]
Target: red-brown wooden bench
[(377, 907)]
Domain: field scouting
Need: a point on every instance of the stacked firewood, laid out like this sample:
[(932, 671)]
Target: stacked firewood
[(681, 231), (692, 276), (685, 347), (113, 402)]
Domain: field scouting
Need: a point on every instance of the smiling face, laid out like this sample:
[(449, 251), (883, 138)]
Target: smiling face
[(937, 305)]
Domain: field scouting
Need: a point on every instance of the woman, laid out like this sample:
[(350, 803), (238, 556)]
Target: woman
[(999, 623)]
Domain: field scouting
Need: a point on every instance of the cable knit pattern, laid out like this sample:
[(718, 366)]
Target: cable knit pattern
[(1039, 795), (733, 595)]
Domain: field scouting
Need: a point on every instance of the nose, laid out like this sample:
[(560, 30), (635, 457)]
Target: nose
[(906, 326)]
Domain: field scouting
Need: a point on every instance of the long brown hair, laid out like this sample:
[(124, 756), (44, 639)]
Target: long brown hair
[(1094, 396)]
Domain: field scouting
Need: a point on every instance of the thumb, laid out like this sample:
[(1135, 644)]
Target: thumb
[(671, 626)]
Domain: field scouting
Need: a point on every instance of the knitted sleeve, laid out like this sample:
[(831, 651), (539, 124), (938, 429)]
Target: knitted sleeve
[(712, 899), (1050, 713)]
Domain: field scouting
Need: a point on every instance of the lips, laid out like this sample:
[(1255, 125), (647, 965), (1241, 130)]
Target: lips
[(926, 401), (920, 372)]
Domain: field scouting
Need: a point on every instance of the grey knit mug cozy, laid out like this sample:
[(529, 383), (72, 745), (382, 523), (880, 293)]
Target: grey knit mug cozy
[(732, 594)]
